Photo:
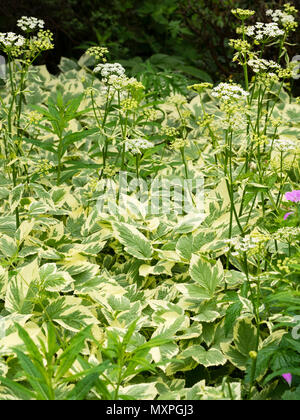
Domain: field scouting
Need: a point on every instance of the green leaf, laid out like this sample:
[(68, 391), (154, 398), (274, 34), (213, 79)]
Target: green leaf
[(82, 388), (245, 336), (234, 356), (139, 392), (8, 246), (35, 376), (191, 244), (54, 280), (232, 314), (31, 347), (136, 244), (19, 390), (66, 65), (253, 187), (193, 292), (45, 145), (168, 330), (293, 371), (70, 313), (291, 395), (208, 277), (53, 346), (15, 197), (207, 315), (21, 289), (73, 105), (70, 354), (211, 357), (189, 223), (74, 137)]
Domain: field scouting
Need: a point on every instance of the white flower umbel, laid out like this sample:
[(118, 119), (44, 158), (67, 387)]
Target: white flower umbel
[(229, 91), (10, 39), (261, 65), (240, 244), (286, 233), (284, 145), (137, 146), (262, 31), (279, 16), (109, 72), (29, 24)]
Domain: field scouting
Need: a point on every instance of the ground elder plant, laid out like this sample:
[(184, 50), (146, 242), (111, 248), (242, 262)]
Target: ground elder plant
[(149, 244)]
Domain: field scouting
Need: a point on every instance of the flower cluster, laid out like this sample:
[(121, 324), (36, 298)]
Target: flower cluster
[(291, 10), (229, 91), (288, 264), (249, 243), (29, 48), (241, 244), (240, 45), (275, 122), (259, 139), (268, 79), (110, 170), (151, 114), (206, 120), (169, 131), (44, 166), (115, 82), (287, 234), (242, 13), (34, 117), (133, 84), (234, 114), (129, 104), (98, 53), (11, 43), (123, 84), (41, 42), (284, 145), (262, 65), (30, 24), (178, 144), (288, 72), (137, 146), (133, 87), (293, 196), (263, 31), (109, 72), (287, 20)]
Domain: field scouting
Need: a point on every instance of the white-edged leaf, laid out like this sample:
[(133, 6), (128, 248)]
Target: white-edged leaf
[(136, 244)]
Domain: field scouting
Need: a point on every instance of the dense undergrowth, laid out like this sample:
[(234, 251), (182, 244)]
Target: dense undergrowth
[(105, 297)]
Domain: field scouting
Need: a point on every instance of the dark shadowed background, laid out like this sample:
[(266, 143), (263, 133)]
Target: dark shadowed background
[(195, 30)]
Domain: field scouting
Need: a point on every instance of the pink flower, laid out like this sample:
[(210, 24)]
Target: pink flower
[(288, 377), (287, 215), (293, 196)]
